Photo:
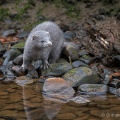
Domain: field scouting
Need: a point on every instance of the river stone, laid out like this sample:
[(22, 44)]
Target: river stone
[(57, 69), (69, 35), (19, 45), (57, 89), (71, 51), (78, 63), (93, 88), (10, 55), (8, 32), (87, 59), (18, 60), (24, 80), (81, 75), (22, 34)]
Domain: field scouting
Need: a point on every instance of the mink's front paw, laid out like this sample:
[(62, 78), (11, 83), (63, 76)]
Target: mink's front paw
[(46, 65)]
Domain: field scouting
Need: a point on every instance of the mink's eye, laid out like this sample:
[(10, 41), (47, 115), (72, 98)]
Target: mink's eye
[(42, 41)]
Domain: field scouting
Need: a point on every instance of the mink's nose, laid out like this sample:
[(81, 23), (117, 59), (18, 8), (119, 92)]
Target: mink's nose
[(49, 44)]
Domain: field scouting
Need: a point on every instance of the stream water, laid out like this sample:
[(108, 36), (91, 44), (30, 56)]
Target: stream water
[(27, 103)]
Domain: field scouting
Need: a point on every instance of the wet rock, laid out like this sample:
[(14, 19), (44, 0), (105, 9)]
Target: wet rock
[(71, 51), (78, 64), (8, 32), (2, 49), (87, 59), (18, 60), (79, 100), (22, 34), (17, 71), (115, 84), (58, 89), (37, 64), (57, 69), (69, 35), (9, 76), (24, 80), (107, 79), (10, 55), (93, 88), (83, 52), (81, 75), (19, 45), (32, 73)]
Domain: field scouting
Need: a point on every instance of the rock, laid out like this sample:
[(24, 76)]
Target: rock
[(81, 75), (78, 63), (18, 60), (58, 89), (22, 34), (83, 52), (9, 76), (37, 64), (10, 55), (71, 52), (87, 59), (23, 80), (93, 88), (2, 49), (8, 32), (32, 73), (57, 69), (19, 45), (17, 71), (79, 99), (69, 35), (107, 79)]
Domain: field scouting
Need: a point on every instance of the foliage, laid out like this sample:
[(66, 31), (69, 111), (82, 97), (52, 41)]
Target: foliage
[(4, 12), (72, 10)]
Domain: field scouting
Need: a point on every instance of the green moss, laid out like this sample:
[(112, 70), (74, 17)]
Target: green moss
[(4, 13), (73, 50), (19, 45), (21, 11), (72, 10), (86, 70)]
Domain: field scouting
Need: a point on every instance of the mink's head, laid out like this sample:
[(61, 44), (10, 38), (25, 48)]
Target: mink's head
[(41, 39)]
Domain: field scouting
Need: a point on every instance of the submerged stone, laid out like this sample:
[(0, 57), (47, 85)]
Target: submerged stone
[(81, 75), (57, 89)]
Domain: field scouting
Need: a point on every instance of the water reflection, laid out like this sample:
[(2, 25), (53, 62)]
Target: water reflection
[(28, 103)]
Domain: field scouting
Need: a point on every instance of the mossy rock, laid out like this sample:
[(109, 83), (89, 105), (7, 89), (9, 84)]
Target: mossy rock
[(57, 69), (19, 45), (81, 75)]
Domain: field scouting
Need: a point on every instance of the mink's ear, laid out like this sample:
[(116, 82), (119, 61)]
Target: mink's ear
[(35, 37)]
